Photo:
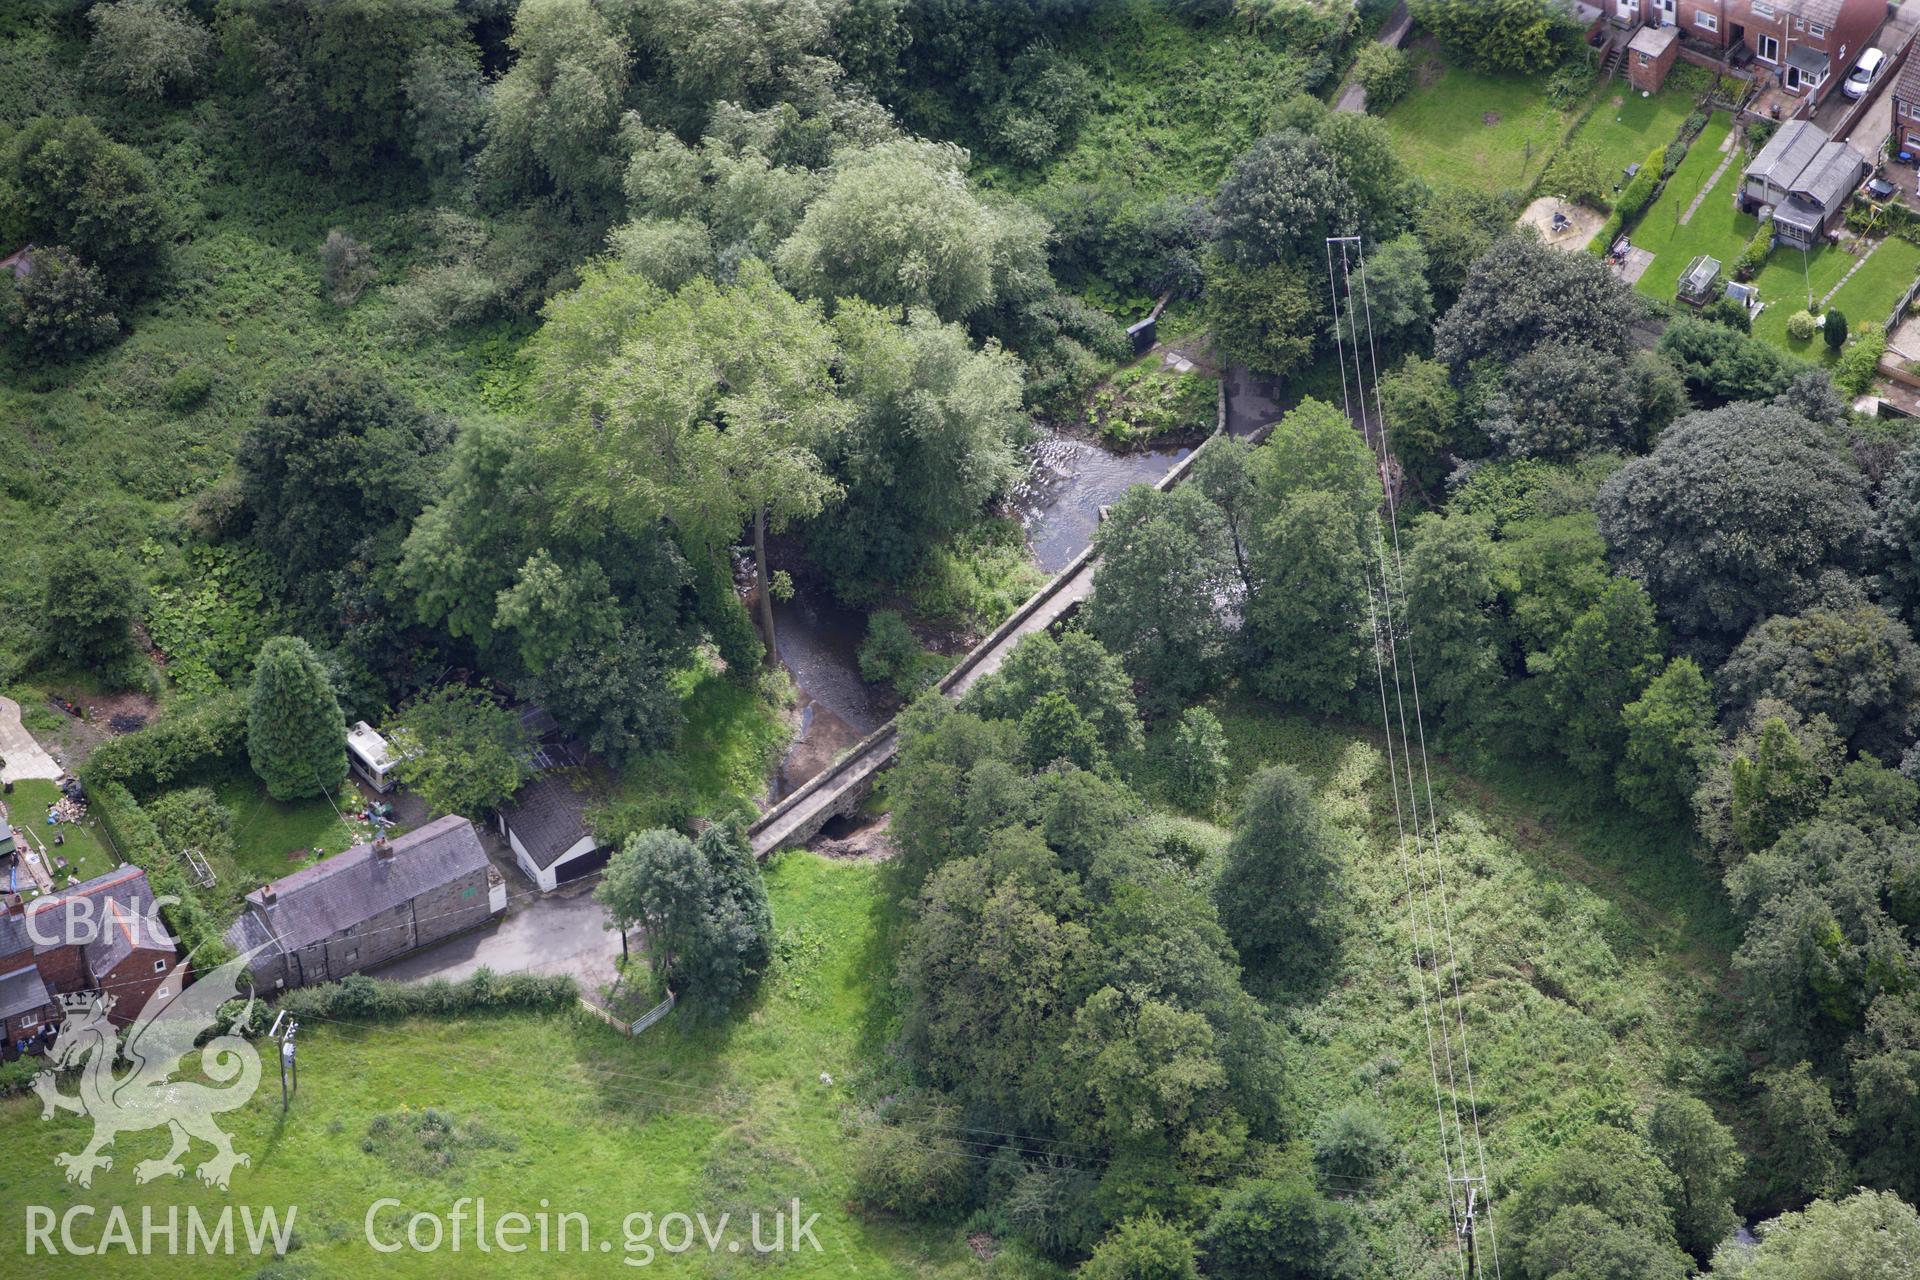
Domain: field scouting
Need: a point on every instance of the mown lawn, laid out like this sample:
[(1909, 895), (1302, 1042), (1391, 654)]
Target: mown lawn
[(1463, 128), (1625, 127), (1591, 947), (273, 837), (556, 1112), (1716, 227), (1865, 299)]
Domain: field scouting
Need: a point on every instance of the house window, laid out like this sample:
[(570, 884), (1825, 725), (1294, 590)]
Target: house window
[(159, 966), (162, 994), (353, 953), (1762, 10), (29, 1020), (1766, 49), (1706, 21), (1815, 29)]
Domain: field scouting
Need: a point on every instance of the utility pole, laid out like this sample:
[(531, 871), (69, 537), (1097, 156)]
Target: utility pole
[(1469, 1242), (289, 1067)]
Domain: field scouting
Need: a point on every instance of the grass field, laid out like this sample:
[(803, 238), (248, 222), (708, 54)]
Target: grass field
[(1591, 947), (556, 1111), (1865, 299), (83, 846), (1716, 228), (1461, 127), (1625, 127)]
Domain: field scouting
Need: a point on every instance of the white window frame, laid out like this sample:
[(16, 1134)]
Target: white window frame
[(159, 966), (162, 994), (1706, 20), (1762, 10), (29, 1020), (1759, 42), (1815, 29)]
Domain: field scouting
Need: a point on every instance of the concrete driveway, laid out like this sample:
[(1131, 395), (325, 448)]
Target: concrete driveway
[(560, 932), (24, 758)]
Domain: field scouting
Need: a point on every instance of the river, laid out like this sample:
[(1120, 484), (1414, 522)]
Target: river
[(1069, 479)]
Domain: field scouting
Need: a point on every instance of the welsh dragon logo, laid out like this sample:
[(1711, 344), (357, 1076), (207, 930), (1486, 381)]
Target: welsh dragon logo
[(147, 1096)]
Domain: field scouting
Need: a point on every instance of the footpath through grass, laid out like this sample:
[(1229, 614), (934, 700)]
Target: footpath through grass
[(554, 1113), (1716, 228)]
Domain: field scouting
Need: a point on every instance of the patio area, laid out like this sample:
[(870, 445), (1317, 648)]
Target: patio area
[(1575, 223)]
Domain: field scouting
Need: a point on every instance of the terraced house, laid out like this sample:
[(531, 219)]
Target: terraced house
[(1807, 44)]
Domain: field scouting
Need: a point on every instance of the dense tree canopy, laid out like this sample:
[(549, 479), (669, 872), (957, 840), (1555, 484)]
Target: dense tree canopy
[(69, 184), (1732, 517)]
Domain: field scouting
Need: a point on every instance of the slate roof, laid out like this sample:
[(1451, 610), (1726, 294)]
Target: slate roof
[(337, 893), (1787, 152), (14, 938), (549, 815), (23, 992), (117, 920), (1817, 171)]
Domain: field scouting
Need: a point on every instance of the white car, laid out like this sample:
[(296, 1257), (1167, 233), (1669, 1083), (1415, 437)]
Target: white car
[(1864, 73)]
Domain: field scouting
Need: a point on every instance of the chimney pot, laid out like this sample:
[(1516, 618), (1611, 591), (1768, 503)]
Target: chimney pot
[(383, 848)]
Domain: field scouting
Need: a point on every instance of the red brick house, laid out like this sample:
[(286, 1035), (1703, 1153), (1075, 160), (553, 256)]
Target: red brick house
[(1810, 45), (100, 935)]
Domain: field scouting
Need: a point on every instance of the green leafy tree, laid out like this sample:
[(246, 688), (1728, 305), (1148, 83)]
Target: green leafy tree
[(326, 78), (1090, 681), (1280, 200), (706, 931), (1581, 173), (1705, 1162), (1800, 1126), (148, 49), (1423, 417), (552, 117), (1720, 365), (1449, 596), (728, 390), (60, 307), (1856, 665), (1886, 1087), (1353, 1143), (1500, 35), (447, 102), (929, 444), (1732, 517), (1163, 567), (1268, 1227), (1268, 317), (1278, 894), (1458, 224), (899, 226), (1606, 1183), (1197, 762), (1142, 1248), (335, 469), (1670, 739), (296, 736), (1833, 328), (70, 184), (1522, 293), (460, 751), (1604, 662), (1394, 301), (1224, 472), (1384, 72), (86, 610), (1305, 629), (1780, 784), (1871, 1235)]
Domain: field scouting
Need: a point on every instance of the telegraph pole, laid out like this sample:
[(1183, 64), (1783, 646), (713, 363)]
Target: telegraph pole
[(289, 1067)]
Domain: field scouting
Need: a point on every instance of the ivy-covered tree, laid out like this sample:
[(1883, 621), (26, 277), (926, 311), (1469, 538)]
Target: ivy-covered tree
[(1856, 665), (296, 736), (1670, 739)]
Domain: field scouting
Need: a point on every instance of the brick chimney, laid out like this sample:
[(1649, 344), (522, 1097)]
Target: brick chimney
[(14, 905), (268, 897), (382, 849)]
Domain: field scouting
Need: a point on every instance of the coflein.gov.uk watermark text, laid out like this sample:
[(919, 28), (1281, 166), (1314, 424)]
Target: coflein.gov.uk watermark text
[(468, 1225)]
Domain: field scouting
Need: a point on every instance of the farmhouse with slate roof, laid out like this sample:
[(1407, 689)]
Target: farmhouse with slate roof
[(369, 905)]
